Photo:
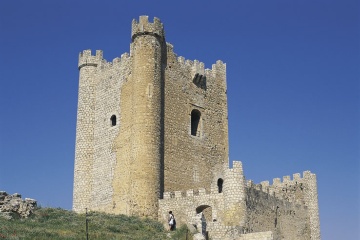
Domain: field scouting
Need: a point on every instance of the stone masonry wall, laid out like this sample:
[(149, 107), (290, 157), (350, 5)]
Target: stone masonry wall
[(145, 164), (99, 97), (288, 207), (252, 211), (230, 203), (139, 145), (186, 205), (285, 219), (194, 161), (104, 180), (84, 150), (234, 212), (110, 77), (311, 201)]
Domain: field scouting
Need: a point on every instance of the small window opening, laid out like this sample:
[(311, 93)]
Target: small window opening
[(195, 120), (113, 120), (220, 184)]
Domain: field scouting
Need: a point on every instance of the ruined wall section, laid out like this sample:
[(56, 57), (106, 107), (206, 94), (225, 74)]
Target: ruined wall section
[(110, 77), (194, 161), (281, 208)]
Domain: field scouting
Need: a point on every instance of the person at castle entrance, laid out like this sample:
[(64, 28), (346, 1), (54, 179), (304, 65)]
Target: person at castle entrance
[(172, 222)]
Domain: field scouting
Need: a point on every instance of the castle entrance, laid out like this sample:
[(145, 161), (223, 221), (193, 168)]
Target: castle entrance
[(203, 215)]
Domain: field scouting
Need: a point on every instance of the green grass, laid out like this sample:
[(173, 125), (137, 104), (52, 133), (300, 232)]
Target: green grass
[(51, 223)]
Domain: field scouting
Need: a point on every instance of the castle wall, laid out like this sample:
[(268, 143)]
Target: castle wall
[(145, 163), (184, 204), (190, 207), (110, 78), (265, 212), (194, 161), (251, 211), (288, 207), (99, 99)]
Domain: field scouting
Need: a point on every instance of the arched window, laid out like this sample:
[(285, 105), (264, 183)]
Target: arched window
[(113, 120), (220, 184), (195, 122)]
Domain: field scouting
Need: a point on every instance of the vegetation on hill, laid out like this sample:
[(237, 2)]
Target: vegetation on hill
[(51, 223)]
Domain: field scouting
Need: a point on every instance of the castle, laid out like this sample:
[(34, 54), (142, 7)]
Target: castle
[(152, 136)]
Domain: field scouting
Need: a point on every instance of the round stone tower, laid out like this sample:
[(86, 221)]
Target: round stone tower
[(139, 145), (234, 195), (84, 151)]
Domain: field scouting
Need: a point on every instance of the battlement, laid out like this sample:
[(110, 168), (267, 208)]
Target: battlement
[(103, 64), (123, 57), (199, 73), (278, 185), (219, 66), (198, 67), (285, 180), (146, 27), (237, 167), (87, 59)]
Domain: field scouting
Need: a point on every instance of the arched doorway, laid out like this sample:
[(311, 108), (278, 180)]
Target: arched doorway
[(204, 215)]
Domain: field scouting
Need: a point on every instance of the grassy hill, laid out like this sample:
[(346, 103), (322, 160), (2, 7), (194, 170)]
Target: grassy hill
[(51, 223)]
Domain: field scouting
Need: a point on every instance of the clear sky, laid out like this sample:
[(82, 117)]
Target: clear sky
[(292, 74)]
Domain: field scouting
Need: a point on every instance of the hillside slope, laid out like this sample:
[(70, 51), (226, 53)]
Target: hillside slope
[(51, 223)]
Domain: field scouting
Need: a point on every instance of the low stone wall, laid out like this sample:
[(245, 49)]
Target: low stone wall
[(14, 206)]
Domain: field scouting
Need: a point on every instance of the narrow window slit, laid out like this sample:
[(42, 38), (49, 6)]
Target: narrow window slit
[(113, 120), (220, 184)]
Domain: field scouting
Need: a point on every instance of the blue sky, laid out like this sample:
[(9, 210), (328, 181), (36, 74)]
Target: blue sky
[(293, 88)]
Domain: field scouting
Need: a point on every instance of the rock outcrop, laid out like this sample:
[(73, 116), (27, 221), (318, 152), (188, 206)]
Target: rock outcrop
[(12, 205)]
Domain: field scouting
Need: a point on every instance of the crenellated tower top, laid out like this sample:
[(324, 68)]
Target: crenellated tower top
[(87, 59), (145, 27)]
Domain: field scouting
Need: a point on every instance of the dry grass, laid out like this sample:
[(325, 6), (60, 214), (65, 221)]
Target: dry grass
[(54, 224)]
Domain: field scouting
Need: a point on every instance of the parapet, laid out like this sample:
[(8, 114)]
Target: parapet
[(279, 184), (295, 179), (236, 168), (120, 60), (146, 27), (86, 59), (197, 67), (200, 75), (219, 66)]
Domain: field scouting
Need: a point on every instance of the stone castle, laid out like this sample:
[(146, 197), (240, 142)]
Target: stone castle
[(152, 136)]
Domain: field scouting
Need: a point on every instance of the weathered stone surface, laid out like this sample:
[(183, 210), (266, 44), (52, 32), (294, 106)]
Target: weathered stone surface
[(126, 167), (14, 205), (152, 136)]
